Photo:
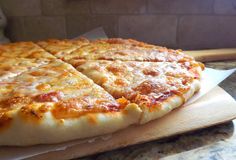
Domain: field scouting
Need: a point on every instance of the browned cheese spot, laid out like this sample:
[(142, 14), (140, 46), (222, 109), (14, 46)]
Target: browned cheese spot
[(5, 121)]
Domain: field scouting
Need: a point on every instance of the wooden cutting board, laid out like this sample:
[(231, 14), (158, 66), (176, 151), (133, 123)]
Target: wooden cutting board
[(213, 54), (215, 107)]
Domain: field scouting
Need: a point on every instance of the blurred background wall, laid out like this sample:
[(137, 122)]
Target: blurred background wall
[(187, 24)]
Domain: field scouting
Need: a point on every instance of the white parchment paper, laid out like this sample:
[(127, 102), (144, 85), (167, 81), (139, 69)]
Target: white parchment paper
[(94, 34), (211, 78)]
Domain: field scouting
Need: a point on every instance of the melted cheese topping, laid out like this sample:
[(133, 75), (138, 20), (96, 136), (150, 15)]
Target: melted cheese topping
[(141, 82), (55, 87), (125, 50), (10, 67), (60, 48), (23, 50)]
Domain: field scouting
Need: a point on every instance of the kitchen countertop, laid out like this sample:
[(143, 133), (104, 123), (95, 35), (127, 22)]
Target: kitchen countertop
[(214, 143)]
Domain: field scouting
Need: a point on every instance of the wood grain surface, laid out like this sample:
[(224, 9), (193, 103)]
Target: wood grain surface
[(213, 54)]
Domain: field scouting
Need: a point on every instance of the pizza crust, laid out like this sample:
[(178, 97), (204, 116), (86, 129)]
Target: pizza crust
[(168, 105), (51, 130)]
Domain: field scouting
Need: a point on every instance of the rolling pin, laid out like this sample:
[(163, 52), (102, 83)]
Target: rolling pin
[(213, 54)]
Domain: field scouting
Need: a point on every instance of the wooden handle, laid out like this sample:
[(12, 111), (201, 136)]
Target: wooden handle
[(213, 54)]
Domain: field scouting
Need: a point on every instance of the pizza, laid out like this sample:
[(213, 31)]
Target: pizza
[(157, 87), (88, 88), (54, 103), (23, 50)]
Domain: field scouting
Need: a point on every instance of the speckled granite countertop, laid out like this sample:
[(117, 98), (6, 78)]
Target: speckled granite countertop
[(214, 143)]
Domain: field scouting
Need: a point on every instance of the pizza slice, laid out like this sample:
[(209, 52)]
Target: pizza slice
[(55, 103), (23, 50), (61, 48), (11, 67), (157, 87), (125, 50)]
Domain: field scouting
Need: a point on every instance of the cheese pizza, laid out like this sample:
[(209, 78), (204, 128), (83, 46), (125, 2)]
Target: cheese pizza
[(157, 87), (60, 90), (54, 103)]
